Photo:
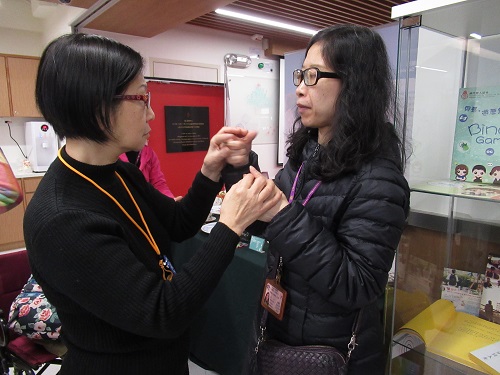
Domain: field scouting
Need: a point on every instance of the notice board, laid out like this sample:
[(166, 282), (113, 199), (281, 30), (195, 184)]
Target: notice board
[(181, 167)]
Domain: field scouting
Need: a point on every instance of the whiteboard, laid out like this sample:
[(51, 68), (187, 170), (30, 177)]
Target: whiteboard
[(253, 99), (253, 105)]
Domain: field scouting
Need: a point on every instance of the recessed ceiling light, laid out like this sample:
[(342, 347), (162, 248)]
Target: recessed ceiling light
[(475, 35)]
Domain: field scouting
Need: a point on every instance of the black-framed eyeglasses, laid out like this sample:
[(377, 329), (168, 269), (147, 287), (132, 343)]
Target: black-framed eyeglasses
[(310, 76), (146, 98)]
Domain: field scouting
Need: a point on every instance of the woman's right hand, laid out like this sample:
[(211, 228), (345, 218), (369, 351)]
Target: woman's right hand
[(248, 200), (230, 145)]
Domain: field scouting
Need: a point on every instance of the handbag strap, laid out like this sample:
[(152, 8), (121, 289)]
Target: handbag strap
[(276, 273)]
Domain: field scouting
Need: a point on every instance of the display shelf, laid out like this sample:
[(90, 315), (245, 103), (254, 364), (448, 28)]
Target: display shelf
[(453, 226), (431, 244), (459, 189)]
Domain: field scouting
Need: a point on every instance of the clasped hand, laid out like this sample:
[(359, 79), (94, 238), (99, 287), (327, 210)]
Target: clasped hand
[(230, 145), (253, 197)]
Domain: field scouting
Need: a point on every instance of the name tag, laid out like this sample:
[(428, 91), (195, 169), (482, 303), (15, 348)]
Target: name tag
[(274, 298)]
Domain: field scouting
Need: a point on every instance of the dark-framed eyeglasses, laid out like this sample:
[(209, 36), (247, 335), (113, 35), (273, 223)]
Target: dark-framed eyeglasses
[(310, 76), (146, 98)]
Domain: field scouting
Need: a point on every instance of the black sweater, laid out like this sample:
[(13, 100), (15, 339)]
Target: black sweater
[(118, 315)]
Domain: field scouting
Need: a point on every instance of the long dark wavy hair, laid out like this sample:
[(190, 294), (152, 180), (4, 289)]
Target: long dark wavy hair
[(365, 111)]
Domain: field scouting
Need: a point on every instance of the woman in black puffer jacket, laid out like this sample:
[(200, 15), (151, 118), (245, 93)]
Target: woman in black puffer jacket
[(338, 245)]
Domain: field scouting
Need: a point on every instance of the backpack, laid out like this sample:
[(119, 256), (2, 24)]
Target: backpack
[(32, 315)]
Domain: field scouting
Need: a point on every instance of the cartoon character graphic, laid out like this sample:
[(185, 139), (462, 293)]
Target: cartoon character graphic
[(495, 173), (464, 146), (478, 171), (461, 172)]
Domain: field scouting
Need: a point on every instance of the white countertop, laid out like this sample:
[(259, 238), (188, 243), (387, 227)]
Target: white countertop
[(23, 174)]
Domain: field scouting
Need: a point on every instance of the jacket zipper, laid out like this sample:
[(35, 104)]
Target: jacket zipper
[(302, 178)]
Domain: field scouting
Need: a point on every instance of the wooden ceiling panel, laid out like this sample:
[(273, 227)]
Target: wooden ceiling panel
[(247, 28), (313, 14), (148, 18)]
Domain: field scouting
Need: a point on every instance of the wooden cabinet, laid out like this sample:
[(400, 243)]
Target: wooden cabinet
[(11, 222), (4, 90), (17, 84), (11, 228), (29, 187)]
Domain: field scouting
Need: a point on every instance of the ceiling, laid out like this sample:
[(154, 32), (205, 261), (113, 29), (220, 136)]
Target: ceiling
[(312, 14), (152, 17)]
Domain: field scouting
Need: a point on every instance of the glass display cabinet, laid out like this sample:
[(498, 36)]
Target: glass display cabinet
[(443, 304)]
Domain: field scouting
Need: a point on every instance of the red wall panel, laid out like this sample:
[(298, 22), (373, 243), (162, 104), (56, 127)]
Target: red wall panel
[(181, 167)]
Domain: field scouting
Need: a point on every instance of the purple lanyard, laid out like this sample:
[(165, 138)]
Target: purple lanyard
[(294, 187)]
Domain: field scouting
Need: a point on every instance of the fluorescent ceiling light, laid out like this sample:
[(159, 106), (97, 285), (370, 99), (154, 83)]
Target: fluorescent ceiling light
[(264, 21), (434, 69), (475, 35), (416, 7)]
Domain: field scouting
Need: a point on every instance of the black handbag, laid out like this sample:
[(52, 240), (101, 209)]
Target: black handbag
[(276, 358)]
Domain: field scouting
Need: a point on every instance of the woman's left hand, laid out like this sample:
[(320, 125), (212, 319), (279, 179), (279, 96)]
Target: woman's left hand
[(247, 200), (281, 203), (229, 146)]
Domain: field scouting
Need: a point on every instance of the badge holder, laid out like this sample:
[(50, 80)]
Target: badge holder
[(274, 296)]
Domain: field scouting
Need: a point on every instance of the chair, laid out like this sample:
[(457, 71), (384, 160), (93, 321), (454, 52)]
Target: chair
[(18, 352)]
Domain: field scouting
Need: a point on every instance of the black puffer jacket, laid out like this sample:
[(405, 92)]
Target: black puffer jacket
[(337, 251)]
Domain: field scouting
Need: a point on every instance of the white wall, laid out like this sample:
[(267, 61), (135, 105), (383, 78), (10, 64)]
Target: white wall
[(58, 22), (483, 60), (26, 30), (9, 147), (439, 74), (436, 78), (20, 42), (186, 43), (198, 44), (17, 42)]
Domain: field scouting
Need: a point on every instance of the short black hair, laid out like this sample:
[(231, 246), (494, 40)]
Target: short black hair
[(479, 167), (78, 77)]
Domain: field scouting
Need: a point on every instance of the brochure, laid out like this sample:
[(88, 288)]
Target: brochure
[(463, 288), (490, 299), (445, 335), (488, 358), (477, 136)]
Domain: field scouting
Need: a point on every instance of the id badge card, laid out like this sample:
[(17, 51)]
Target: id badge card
[(274, 298)]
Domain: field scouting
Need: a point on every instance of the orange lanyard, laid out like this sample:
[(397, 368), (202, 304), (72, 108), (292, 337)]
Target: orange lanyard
[(163, 263)]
